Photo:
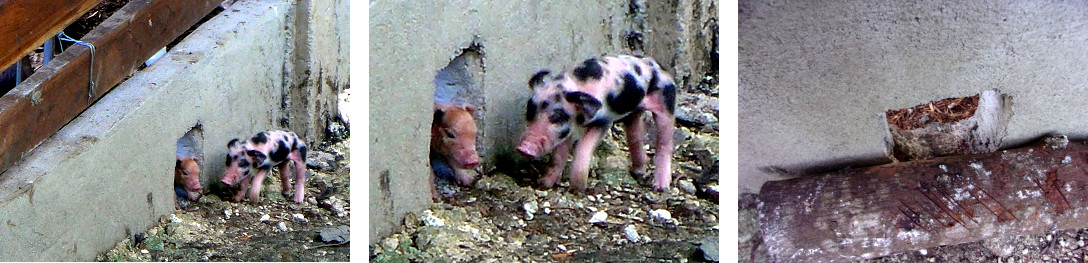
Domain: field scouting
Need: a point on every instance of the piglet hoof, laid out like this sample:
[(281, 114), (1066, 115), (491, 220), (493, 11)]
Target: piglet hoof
[(638, 175), (545, 183), (577, 188), (661, 187)]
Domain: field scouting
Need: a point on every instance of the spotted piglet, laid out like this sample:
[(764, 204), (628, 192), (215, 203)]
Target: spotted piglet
[(261, 152), (581, 105)]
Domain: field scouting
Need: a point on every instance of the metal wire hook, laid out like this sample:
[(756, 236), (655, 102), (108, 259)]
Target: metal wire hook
[(65, 37)]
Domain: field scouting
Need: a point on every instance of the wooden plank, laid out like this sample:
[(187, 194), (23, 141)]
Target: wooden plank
[(58, 92), (877, 211), (26, 24)]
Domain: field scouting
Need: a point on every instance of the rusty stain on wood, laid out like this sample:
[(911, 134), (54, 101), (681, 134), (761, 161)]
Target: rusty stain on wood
[(55, 95), (920, 204)]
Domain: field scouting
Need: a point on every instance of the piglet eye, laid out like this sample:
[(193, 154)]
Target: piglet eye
[(449, 133)]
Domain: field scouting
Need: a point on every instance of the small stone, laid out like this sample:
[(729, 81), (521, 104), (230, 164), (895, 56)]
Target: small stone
[(174, 219), (227, 213), (709, 247), (631, 234), (144, 251), (530, 209), (283, 226), (598, 217), (686, 186), (299, 217), (321, 161), (265, 218), (430, 220), (923, 251), (561, 247), (661, 215)]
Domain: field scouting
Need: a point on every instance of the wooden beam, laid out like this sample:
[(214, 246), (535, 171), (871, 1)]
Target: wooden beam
[(58, 92), (876, 211), (26, 24)]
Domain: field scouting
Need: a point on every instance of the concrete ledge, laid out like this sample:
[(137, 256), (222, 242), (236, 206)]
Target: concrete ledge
[(109, 172)]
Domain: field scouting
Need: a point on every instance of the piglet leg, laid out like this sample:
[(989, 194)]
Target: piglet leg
[(583, 153), (285, 179), (635, 128), (664, 147), (555, 168), (255, 188), (242, 190), (300, 179)]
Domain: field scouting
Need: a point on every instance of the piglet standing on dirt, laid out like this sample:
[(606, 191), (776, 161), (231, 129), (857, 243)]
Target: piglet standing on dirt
[(261, 152), (583, 103), (453, 143), (187, 178)]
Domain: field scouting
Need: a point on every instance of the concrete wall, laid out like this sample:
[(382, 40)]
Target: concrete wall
[(814, 76), (108, 173), (410, 41), (318, 70)]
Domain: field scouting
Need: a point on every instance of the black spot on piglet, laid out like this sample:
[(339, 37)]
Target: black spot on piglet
[(279, 153), (628, 98), (669, 95), (588, 69), (530, 110), (559, 116), (260, 138), (538, 78)]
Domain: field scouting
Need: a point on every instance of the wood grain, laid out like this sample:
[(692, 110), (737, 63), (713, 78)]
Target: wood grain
[(26, 24), (58, 92)]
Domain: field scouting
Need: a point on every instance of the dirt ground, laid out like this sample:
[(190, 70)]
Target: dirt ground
[(506, 217), (277, 229), (1052, 246)]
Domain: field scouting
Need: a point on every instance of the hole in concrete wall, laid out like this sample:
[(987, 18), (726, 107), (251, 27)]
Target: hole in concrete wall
[(461, 83), (963, 125), (187, 177)]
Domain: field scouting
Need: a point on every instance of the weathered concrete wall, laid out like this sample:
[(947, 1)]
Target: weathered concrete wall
[(108, 173), (814, 76), (318, 71), (410, 41)]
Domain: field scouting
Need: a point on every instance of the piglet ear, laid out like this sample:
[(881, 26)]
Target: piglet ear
[(258, 156), (471, 109), (178, 163), (585, 102), (538, 78), (439, 113)]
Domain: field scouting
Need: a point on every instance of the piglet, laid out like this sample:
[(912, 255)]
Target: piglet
[(453, 143), (260, 153), (572, 110), (187, 178)]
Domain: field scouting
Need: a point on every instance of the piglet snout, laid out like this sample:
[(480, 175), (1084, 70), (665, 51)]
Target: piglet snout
[(227, 182), (527, 151)]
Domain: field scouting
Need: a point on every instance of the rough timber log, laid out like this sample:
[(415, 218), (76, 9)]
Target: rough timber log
[(876, 211)]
